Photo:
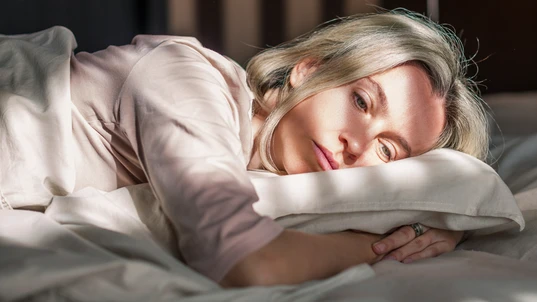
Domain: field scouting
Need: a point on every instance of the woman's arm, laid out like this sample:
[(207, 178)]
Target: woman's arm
[(181, 115), (295, 257), (185, 114)]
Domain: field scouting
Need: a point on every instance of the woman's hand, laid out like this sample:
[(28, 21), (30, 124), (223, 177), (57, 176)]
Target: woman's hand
[(403, 245)]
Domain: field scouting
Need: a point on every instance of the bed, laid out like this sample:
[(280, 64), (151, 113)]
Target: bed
[(91, 245)]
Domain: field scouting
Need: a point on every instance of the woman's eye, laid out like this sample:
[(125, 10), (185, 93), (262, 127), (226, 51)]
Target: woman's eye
[(360, 102), (386, 152)]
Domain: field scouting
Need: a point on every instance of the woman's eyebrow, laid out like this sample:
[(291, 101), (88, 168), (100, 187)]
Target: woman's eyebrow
[(379, 94)]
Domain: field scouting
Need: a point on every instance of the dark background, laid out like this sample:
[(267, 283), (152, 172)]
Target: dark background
[(501, 34)]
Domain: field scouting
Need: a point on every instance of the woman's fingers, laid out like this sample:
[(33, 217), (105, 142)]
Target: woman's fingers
[(417, 245), (395, 240), (432, 243), (433, 250)]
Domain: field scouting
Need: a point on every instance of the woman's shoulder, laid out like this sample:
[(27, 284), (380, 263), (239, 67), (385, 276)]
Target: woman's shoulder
[(192, 48), (154, 41), (180, 71), (190, 62)]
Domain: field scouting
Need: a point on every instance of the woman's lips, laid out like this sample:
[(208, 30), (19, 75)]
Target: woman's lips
[(324, 158)]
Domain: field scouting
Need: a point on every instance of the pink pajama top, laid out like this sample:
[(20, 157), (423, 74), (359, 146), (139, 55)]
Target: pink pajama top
[(167, 111)]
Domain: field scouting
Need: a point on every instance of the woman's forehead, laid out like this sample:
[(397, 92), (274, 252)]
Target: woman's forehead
[(413, 109)]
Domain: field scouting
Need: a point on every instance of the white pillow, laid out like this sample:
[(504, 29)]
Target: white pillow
[(442, 189)]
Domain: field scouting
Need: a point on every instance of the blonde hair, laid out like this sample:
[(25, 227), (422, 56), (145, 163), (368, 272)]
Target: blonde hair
[(359, 46)]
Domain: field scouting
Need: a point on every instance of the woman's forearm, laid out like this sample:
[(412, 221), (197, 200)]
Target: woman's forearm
[(295, 257)]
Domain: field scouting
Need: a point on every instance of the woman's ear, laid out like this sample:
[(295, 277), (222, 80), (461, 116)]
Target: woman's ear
[(301, 71)]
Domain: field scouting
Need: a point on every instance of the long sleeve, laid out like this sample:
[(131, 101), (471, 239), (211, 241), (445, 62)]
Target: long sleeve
[(183, 110)]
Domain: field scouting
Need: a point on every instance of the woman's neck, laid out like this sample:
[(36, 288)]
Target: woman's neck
[(270, 99), (255, 159)]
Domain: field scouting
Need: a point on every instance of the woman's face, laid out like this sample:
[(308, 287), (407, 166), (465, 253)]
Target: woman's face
[(378, 119)]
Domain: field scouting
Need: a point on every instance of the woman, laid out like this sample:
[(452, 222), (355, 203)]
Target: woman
[(363, 91)]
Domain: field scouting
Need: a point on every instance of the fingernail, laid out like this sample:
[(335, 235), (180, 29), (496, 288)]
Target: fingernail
[(408, 260), (379, 247), (389, 258)]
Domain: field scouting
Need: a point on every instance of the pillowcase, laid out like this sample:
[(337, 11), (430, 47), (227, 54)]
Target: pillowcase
[(442, 189)]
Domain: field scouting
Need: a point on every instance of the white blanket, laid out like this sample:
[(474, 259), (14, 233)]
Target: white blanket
[(35, 125)]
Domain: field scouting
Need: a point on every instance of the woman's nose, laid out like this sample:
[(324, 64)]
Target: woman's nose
[(353, 146)]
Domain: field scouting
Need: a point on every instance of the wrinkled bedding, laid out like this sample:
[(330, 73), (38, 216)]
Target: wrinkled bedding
[(91, 247)]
